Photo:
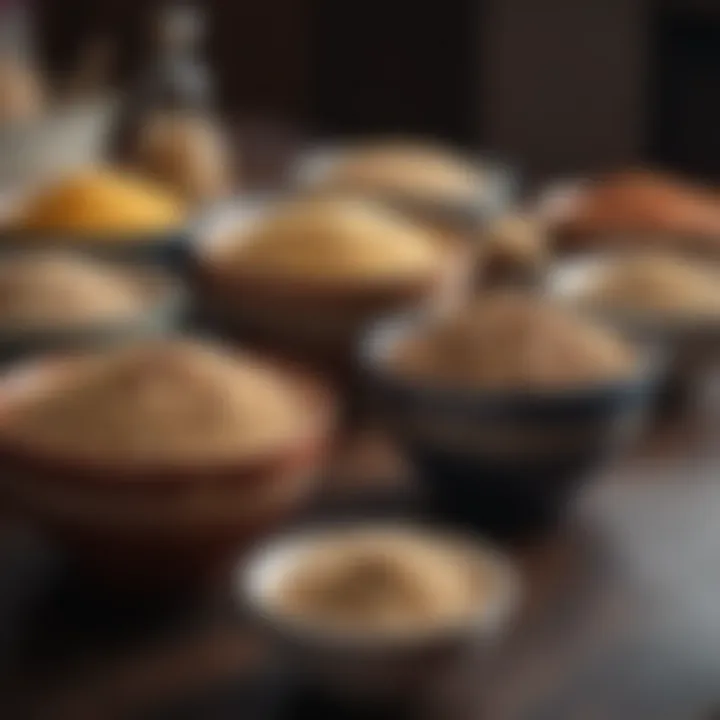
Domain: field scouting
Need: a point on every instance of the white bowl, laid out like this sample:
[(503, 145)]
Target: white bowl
[(377, 668), (569, 281), (68, 137), (690, 345)]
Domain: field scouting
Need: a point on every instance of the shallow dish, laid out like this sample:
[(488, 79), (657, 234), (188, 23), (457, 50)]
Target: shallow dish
[(504, 462), (366, 670), (147, 526)]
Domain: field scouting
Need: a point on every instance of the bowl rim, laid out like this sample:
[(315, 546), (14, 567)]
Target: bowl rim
[(250, 586), (381, 337), (95, 470)]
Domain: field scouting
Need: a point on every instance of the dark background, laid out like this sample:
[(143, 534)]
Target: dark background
[(561, 85)]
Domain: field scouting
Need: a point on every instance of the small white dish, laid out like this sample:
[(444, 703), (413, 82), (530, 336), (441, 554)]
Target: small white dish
[(376, 667)]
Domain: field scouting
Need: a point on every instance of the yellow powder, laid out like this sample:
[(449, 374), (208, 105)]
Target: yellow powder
[(165, 401), (334, 238), (102, 203), (405, 168), (510, 341), (51, 291), (389, 581), (664, 285)]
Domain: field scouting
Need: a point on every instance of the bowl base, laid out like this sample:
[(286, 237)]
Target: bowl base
[(504, 503)]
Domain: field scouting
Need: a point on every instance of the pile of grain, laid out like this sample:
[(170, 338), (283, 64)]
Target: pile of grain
[(509, 341), (384, 581), (405, 168), (52, 291), (661, 285), (173, 401), (101, 203), (333, 239)]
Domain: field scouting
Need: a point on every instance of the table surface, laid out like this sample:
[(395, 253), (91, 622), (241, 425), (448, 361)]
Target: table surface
[(622, 619)]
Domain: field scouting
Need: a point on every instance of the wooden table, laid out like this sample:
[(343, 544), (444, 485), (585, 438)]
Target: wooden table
[(622, 620)]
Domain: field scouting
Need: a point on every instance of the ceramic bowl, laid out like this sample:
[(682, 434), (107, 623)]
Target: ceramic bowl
[(557, 205), (147, 526), (504, 462), (690, 344), (371, 670), (316, 324), (168, 250), (163, 314), (461, 223), (70, 136), (314, 166)]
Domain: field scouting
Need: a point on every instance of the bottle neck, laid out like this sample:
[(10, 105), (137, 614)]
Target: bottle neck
[(180, 75)]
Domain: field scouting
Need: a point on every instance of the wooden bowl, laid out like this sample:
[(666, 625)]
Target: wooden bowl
[(144, 526), (315, 323)]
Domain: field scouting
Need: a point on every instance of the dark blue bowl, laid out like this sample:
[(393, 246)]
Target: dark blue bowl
[(503, 462), (169, 250)]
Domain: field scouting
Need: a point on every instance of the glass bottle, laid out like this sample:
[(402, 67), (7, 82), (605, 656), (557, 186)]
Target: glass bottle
[(174, 134), (178, 78)]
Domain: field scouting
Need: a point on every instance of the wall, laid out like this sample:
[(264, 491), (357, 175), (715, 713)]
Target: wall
[(564, 81)]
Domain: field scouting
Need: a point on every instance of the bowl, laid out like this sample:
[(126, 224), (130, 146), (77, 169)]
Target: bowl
[(163, 314), (318, 324), (157, 525), (72, 135), (557, 206), (461, 223), (372, 670), (690, 344), (168, 250), (504, 462), (314, 166)]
